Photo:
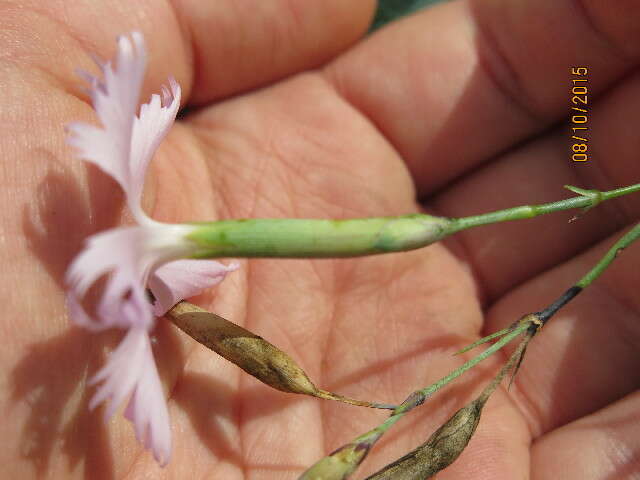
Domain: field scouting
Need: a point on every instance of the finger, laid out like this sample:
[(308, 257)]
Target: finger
[(214, 49), (236, 46), (463, 81), (504, 255), (604, 445), (586, 357)]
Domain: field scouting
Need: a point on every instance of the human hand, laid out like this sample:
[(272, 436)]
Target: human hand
[(429, 92)]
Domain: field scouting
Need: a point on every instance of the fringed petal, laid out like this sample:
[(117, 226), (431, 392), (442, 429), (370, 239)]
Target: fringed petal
[(124, 253), (125, 144), (115, 99), (131, 373), (156, 117)]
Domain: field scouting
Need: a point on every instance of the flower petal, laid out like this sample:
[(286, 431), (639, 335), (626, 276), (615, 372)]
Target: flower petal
[(182, 279), (123, 253), (127, 254), (126, 143), (156, 117), (131, 372), (115, 100)]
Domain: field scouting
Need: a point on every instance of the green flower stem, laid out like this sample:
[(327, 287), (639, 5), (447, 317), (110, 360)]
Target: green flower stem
[(317, 238), (587, 199), (426, 392), (419, 396), (486, 339), (624, 241)]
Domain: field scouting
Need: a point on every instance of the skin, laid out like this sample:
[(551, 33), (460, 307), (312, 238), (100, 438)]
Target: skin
[(463, 106)]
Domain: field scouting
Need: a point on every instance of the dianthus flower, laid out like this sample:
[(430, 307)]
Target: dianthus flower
[(137, 258)]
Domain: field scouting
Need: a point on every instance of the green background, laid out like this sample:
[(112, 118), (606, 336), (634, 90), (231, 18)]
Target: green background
[(389, 10)]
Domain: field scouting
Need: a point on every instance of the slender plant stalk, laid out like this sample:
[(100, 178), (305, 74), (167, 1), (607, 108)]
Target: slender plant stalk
[(597, 270), (626, 240), (587, 199), (419, 396), (486, 339), (522, 326), (318, 238)]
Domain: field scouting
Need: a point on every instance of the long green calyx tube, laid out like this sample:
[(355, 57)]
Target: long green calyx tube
[(300, 238), (311, 238)]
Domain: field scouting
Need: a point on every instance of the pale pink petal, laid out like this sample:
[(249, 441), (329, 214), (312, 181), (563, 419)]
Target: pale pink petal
[(147, 409), (127, 255), (115, 100), (131, 373), (126, 143), (122, 253), (156, 117), (182, 279)]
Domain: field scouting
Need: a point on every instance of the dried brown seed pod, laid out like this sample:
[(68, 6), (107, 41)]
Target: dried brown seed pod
[(250, 352), (340, 464), (442, 448)]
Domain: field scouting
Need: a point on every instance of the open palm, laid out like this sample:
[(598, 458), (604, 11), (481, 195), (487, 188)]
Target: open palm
[(456, 106)]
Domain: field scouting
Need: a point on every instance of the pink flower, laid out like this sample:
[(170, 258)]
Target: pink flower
[(134, 258)]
